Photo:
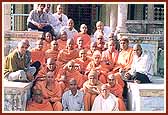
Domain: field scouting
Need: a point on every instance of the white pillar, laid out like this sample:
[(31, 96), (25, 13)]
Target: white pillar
[(113, 16), (7, 17), (122, 18)]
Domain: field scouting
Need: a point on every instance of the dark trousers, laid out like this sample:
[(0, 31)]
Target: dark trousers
[(37, 65), (46, 28), (142, 77)]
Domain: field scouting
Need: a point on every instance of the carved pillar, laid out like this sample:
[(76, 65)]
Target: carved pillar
[(113, 16), (150, 12), (122, 18), (7, 17)]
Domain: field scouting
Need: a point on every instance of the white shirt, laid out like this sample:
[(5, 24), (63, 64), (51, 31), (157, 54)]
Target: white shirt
[(142, 64), (70, 34), (73, 103), (64, 20), (105, 105), (107, 31)]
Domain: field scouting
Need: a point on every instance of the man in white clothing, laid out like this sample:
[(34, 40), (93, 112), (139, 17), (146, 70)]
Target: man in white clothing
[(106, 30), (105, 101), (141, 68), (70, 30), (61, 19)]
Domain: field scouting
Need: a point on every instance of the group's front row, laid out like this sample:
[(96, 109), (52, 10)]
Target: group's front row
[(47, 95)]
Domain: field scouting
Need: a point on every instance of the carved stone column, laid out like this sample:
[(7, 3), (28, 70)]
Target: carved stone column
[(150, 12), (113, 16), (122, 18), (7, 17)]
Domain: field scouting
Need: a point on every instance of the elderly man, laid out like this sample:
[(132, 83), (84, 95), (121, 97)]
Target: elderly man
[(141, 69), (105, 101), (72, 100), (16, 68), (104, 29), (99, 66), (38, 20), (91, 89), (69, 28), (61, 18)]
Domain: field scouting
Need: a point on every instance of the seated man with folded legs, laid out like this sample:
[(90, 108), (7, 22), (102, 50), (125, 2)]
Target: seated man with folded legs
[(141, 69), (15, 65)]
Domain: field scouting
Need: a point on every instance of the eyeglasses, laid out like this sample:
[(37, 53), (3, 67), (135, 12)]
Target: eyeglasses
[(111, 79)]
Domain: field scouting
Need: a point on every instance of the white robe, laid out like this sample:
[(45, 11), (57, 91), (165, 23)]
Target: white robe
[(105, 105)]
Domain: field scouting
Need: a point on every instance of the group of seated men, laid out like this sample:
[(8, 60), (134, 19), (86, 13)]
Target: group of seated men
[(71, 73)]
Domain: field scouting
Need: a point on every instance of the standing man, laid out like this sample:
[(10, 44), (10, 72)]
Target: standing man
[(60, 17), (72, 100)]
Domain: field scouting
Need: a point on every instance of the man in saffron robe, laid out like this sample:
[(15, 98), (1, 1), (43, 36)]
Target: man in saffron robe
[(84, 35), (110, 56), (68, 53), (98, 65), (83, 61), (125, 59), (38, 103), (93, 47), (70, 72), (51, 90), (62, 40), (47, 40), (37, 54), (91, 89), (117, 90), (53, 51), (49, 66)]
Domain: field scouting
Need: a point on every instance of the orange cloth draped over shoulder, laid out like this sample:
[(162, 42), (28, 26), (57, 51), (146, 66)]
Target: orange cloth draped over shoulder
[(45, 106), (72, 74), (102, 71), (86, 39), (44, 70), (64, 55), (83, 64), (51, 54), (125, 59), (37, 55), (111, 57), (61, 44), (117, 90), (46, 45), (55, 93), (90, 94), (121, 105)]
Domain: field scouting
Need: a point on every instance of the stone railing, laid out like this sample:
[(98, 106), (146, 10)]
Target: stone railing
[(11, 38), (22, 34), (145, 26), (16, 95), (147, 97)]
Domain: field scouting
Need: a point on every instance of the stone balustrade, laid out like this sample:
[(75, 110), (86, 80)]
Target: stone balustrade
[(147, 97), (16, 95)]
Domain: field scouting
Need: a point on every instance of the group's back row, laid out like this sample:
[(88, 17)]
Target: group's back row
[(42, 19)]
